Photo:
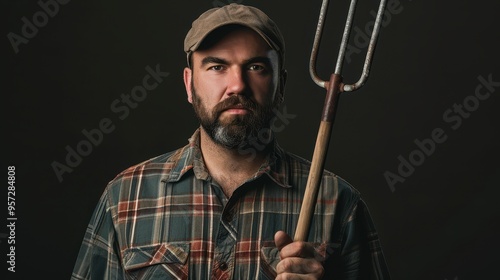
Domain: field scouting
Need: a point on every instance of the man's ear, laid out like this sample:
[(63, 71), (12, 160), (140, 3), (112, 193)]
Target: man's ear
[(188, 76)]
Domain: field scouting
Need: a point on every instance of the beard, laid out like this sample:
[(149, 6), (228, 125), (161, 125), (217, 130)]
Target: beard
[(235, 131)]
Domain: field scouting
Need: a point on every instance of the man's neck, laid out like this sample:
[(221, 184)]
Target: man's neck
[(230, 167)]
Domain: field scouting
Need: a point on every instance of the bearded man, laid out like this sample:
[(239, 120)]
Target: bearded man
[(211, 210)]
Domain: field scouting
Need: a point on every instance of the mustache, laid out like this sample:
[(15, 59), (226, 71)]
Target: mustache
[(231, 102)]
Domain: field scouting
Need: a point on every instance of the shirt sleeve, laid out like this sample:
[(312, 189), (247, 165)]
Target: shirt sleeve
[(360, 255), (99, 256)]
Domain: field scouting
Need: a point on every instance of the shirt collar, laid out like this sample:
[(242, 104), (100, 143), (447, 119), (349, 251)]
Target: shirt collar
[(189, 158)]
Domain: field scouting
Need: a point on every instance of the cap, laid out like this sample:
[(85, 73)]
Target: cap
[(233, 13)]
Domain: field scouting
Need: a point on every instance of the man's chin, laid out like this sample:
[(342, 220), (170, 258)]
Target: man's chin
[(232, 119), (230, 136)]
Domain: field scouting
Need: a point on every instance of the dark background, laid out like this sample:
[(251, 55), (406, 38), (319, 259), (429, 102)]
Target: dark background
[(441, 222)]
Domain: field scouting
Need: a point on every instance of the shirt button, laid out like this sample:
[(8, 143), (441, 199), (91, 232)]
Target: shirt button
[(223, 266)]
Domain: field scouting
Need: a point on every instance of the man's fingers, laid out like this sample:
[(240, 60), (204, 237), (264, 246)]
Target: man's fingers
[(297, 259), (299, 266), (289, 248)]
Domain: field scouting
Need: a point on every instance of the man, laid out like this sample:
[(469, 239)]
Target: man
[(224, 207)]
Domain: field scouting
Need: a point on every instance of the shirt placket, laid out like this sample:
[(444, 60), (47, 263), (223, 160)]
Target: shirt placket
[(225, 244)]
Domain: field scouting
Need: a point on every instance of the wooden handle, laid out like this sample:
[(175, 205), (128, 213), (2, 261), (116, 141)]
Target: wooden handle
[(318, 159), (313, 182)]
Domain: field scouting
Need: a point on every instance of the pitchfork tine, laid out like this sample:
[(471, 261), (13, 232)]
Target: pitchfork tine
[(343, 46), (333, 89)]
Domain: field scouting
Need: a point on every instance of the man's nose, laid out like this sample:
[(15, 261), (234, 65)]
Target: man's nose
[(236, 83)]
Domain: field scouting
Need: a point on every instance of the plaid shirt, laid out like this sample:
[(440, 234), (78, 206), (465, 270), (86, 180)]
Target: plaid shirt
[(166, 218)]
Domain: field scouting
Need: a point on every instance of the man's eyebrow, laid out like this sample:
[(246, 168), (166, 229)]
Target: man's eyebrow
[(261, 59), (218, 60), (213, 59)]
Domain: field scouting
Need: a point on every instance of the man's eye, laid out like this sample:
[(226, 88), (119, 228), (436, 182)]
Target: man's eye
[(217, 67), (256, 67)]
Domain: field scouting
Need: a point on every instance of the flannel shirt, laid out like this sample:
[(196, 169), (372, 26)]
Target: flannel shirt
[(166, 218)]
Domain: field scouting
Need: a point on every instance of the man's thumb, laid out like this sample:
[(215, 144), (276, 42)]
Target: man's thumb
[(281, 239)]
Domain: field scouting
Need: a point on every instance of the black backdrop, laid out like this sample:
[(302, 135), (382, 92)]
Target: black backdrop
[(429, 102)]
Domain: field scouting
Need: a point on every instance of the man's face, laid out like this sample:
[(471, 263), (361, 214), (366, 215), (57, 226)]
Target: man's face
[(233, 87)]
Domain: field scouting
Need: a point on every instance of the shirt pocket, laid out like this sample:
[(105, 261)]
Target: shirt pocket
[(163, 261), (269, 258)]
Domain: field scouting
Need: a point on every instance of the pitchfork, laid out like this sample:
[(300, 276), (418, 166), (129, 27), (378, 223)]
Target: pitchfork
[(333, 89)]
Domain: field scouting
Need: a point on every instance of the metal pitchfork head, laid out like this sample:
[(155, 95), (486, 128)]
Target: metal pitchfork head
[(334, 87), (343, 46)]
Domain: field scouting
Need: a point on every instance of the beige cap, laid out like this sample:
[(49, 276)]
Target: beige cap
[(248, 16)]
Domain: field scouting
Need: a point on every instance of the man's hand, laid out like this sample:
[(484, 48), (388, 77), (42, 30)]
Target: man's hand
[(297, 259)]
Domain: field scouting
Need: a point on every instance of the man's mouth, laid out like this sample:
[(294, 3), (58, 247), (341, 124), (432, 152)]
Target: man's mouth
[(238, 109)]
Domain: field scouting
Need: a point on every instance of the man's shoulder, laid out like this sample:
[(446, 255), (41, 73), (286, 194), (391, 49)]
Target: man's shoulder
[(301, 166), (153, 169)]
